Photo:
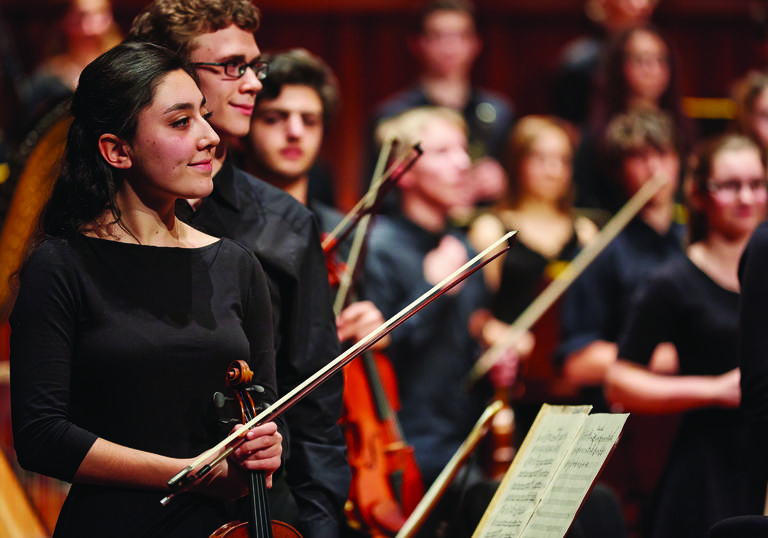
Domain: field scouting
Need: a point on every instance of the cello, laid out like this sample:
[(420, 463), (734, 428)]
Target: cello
[(386, 481), (260, 525)]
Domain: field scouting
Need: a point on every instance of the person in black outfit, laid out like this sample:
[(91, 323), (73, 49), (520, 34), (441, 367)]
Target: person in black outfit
[(218, 37), (126, 318), (573, 81), (446, 43), (692, 302)]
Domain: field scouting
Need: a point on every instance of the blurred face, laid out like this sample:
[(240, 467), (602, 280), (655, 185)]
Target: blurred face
[(229, 99), (760, 117), (171, 154), (545, 173), (449, 44), (736, 201), (644, 163), (439, 176), (88, 19), (626, 13), (287, 132), (646, 66)]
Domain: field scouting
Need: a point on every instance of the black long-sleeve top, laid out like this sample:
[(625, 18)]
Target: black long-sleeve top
[(283, 235), (753, 336), (129, 343)]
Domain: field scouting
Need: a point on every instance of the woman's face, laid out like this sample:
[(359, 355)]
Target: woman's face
[(646, 67), (737, 195), (545, 172), (172, 151), (759, 117)]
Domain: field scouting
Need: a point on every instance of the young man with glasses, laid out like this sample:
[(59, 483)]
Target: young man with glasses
[(218, 36)]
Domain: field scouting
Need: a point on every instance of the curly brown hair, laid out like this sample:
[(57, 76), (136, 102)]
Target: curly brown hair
[(176, 23)]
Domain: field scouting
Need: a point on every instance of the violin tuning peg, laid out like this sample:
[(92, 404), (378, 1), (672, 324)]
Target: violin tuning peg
[(229, 421), (219, 400), (256, 388)]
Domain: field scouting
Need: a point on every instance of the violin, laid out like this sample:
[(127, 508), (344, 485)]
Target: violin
[(260, 525), (386, 481)]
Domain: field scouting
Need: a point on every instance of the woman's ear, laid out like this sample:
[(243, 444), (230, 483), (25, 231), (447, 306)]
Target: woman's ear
[(115, 151)]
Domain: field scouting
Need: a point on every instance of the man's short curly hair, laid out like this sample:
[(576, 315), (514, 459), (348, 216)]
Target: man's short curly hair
[(176, 23)]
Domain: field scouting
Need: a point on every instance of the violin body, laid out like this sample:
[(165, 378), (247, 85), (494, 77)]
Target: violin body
[(237, 529), (386, 482)]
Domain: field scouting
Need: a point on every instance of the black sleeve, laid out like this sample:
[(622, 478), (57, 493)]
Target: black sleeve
[(258, 327), (42, 326), (753, 333), (651, 314), (317, 471)]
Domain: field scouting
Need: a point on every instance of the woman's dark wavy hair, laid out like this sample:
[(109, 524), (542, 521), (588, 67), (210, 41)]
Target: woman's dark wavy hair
[(112, 91), (611, 94)]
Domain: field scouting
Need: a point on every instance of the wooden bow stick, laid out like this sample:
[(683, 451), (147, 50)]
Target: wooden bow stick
[(212, 457), (557, 287), (441, 483), (379, 187)]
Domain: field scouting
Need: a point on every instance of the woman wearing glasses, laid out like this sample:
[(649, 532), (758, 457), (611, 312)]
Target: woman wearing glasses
[(127, 319), (692, 303)]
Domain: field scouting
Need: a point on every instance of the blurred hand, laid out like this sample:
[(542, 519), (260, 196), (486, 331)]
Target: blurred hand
[(488, 180), (357, 321), (443, 260), (729, 388)]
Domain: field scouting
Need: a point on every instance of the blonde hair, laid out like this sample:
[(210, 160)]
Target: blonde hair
[(745, 93), (407, 128)]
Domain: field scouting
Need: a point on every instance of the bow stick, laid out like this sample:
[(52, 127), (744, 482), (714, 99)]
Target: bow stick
[(374, 194), (558, 286), (218, 453), (379, 187)]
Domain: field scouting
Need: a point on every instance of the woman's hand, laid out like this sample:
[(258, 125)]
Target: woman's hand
[(261, 451)]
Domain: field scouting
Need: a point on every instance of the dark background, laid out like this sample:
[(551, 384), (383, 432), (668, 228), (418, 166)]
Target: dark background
[(364, 41)]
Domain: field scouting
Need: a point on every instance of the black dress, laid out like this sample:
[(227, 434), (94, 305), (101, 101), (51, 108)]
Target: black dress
[(711, 472), (129, 343), (525, 274)]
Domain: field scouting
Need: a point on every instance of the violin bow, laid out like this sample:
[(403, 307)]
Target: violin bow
[(557, 287), (212, 457), (368, 202), (446, 476), (346, 279)]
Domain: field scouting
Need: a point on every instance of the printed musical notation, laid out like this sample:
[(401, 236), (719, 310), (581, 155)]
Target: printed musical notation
[(555, 467)]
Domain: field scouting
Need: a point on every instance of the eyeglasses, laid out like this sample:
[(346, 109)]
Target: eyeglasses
[(237, 68), (730, 189)]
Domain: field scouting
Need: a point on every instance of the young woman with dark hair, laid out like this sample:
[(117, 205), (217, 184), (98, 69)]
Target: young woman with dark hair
[(127, 318)]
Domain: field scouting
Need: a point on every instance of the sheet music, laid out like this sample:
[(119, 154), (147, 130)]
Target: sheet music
[(555, 468), (523, 488), (575, 477)]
